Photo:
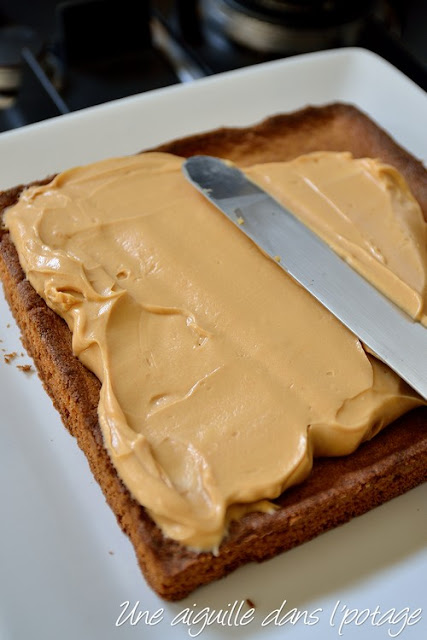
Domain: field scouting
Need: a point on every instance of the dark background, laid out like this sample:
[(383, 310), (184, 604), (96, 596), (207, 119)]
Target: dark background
[(57, 57)]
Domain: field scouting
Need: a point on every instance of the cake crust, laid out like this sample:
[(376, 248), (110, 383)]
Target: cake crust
[(338, 488)]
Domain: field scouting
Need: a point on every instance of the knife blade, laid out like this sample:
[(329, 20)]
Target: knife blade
[(384, 328)]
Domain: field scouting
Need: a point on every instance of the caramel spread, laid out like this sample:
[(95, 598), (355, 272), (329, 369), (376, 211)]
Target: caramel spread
[(221, 376), (364, 210)]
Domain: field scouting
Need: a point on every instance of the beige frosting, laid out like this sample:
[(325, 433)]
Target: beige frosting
[(221, 376), (365, 211)]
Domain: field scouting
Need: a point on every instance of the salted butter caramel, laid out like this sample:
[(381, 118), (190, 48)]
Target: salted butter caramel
[(365, 211), (221, 377)]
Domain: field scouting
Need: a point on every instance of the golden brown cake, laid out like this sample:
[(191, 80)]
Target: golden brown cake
[(338, 488)]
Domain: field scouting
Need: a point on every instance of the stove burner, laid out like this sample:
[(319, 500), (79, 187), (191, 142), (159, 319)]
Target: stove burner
[(74, 54), (288, 26)]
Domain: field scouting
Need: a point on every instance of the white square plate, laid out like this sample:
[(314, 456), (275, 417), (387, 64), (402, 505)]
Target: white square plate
[(65, 567)]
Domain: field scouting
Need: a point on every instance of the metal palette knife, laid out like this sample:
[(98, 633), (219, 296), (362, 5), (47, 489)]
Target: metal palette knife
[(390, 333)]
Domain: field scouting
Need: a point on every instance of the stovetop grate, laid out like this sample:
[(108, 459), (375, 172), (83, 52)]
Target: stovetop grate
[(88, 53)]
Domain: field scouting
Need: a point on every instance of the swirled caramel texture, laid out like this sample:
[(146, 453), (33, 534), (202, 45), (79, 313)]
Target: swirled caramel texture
[(364, 210), (221, 376)]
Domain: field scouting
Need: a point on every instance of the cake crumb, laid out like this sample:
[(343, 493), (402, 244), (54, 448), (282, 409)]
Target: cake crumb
[(250, 603), (240, 220), (8, 357), (8, 326), (277, 258), (26, 368), (111, 553)]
